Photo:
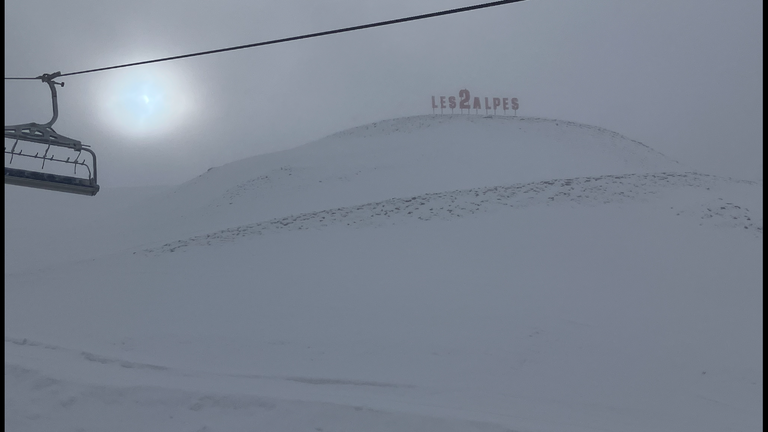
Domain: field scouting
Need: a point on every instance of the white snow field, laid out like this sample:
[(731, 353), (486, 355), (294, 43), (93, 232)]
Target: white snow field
[(432, 273)]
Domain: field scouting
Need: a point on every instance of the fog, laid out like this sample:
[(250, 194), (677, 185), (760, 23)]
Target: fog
[(683, 77)]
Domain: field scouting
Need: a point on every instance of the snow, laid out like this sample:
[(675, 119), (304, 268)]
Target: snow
[(430, 273)]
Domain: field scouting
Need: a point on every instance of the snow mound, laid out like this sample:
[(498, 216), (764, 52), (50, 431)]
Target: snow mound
[(415, 155), (399, 158), (456, 204)]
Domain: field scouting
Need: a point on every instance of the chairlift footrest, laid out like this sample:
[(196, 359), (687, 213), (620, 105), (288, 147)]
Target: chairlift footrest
[(53, 182)]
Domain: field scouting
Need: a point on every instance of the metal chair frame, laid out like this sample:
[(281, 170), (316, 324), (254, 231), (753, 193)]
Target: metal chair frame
[(44, 134)]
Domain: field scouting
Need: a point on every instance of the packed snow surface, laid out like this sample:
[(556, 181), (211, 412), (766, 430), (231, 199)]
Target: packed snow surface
[(432, 273)]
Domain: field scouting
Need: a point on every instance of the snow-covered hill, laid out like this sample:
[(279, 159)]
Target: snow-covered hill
[(407, 157), (390, 159), (429, 273)]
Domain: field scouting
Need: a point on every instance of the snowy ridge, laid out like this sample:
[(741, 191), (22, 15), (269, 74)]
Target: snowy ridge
[(408, 125), (414, 123), (456, 204)]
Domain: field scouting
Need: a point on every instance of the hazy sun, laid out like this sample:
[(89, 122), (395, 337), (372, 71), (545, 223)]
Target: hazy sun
[(146, 101)]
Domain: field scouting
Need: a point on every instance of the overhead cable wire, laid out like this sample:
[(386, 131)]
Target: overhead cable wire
[(293, 38)]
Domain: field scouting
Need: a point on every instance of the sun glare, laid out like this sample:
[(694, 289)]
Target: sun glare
[(153, 101)]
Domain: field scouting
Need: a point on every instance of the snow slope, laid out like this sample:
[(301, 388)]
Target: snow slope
[(428, 274)]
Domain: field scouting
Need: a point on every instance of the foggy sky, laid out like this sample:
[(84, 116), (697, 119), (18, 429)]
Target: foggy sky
[(682, 76)]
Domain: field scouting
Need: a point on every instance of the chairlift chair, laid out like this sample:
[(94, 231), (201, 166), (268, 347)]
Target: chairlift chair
[(44, 134)]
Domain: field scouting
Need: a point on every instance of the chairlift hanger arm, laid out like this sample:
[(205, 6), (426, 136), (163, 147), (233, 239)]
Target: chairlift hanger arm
[(49, 79), (44, 133)]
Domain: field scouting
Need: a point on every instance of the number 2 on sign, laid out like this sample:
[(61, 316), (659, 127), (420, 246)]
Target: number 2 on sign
[(464, 99)]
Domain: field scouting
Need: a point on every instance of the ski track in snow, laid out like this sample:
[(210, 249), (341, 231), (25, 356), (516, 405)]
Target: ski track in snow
[(451, 205), (149, 408), (126, 364)]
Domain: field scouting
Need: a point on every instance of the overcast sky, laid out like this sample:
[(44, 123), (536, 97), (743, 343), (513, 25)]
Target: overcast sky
[(683, 76)]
